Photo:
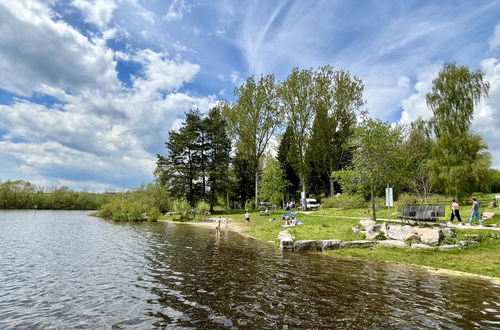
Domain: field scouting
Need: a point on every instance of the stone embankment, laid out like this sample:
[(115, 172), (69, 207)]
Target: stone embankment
[(385, 234)]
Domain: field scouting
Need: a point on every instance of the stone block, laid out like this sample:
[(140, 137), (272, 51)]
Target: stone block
[(306, 245), (420, 246), (351, 244), (392, 243), (330, 244)]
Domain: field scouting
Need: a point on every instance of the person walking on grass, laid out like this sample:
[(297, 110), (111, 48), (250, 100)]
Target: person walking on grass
[(475, 212), (455, 212), (247, 217)]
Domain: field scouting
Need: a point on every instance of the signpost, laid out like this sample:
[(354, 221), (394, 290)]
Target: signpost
[(388, 200), (497, 199)]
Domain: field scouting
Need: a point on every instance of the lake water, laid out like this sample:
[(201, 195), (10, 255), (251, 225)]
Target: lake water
[(65, 269)]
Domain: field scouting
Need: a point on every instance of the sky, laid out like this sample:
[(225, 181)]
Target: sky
[(89, 89)]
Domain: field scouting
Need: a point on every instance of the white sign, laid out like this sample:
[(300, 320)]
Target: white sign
[(497, 197), (388, 197)]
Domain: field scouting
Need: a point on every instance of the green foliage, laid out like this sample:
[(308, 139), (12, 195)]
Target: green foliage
[(202, 208), (460, 161), (344, 201), (378, 160), (254, 119), (272, 184), (133, 205), (287, 160), (494, 181), (153, 214), (24, 195), (338, 99), (182, 208)]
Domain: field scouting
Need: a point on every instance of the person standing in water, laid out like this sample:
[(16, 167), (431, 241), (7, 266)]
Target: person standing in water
[(217, 227), (475, 212), (455, 212)]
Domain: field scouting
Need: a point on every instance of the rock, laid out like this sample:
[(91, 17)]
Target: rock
[(411, 237), (420, 246), (401, 232), (355, 230), (367, 223), (351, 244), (432, 236), (306, 245), (449, 247), (286, 240), (286, 244), (467, 243), (371, 234), (449, 232), (392, 243), (284, 234), (330, 244), (384, 227)]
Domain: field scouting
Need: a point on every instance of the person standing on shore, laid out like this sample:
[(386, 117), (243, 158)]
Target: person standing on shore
[(455, 212), (475, 212)]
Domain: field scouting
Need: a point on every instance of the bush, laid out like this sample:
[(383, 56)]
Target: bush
[(134, 211), (344, 201), (202, 208), (406, 200), (182, 208), (154, 214)]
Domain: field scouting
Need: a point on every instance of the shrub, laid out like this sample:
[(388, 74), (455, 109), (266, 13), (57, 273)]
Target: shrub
[(134, 211), (406, 200), (344, 201), (182, 208), (154, 214), (202, 208)]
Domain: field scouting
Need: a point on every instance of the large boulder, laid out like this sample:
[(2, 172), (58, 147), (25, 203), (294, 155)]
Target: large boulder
[(330, 244), (286, 240), (306, 245), (371, 234), (351, 244), (402, 233), (432, 236), (367, 224), (286, 244), (384, 227)]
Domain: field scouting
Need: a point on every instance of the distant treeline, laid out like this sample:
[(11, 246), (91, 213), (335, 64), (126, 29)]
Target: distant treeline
[(24, 195)]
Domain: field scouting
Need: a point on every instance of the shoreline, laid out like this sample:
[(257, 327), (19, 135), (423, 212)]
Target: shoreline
[(238, 229)]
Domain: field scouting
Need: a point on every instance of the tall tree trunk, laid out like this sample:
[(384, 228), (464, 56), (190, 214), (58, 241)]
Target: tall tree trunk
[(257, 187), (374, 217), (332, 187), (303, 194)]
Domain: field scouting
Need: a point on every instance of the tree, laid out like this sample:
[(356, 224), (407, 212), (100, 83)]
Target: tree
[(254, 119), (287, 159), (181, 168), (460, 160), (296, 98), (418, 147), (273, 182), (218, 155), (378, 160), (338, 99)]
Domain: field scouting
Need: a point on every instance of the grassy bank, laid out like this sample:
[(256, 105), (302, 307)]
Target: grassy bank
[(482, 259)]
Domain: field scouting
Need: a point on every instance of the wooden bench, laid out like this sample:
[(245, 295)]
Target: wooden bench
[(422, 213)]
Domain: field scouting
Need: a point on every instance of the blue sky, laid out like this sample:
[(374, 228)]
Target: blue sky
[(90, 88)]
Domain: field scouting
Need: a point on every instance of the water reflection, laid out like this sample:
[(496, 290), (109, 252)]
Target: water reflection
[(70, 270)]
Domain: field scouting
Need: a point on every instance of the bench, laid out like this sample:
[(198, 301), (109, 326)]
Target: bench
[(422, 213)]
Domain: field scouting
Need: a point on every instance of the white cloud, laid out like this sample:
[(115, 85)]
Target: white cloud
[(487, 115), (38, 51), (495, 40), (177, 9), (415, 106), (98, 12)]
